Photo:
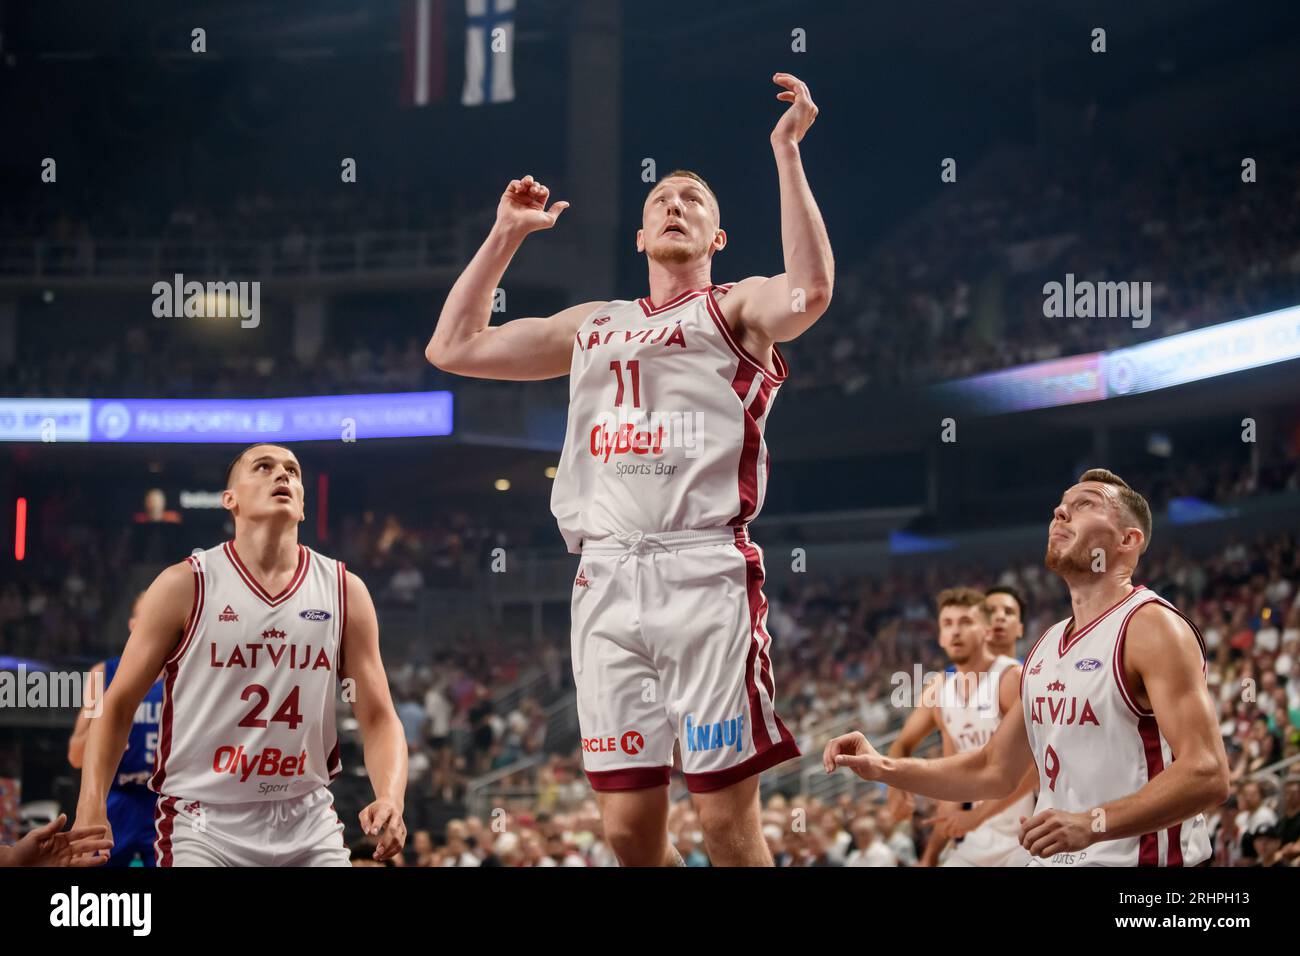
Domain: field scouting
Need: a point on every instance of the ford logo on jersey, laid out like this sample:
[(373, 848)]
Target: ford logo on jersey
[(1087, 664), (314, 615)]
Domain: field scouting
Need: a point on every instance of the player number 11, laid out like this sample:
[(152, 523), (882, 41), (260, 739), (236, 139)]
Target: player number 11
[(634, 373)]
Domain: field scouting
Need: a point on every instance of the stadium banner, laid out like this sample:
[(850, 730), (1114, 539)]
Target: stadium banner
[(317, 418), (44, 419), (1203, 353), (1162, 363), (1065, 381), (323, 417)]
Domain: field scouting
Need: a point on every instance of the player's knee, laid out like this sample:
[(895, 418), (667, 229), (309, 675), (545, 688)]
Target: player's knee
[(722, 828), (636, 846)]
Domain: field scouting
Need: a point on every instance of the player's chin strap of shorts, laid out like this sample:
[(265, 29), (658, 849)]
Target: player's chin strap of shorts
[(633, 542)]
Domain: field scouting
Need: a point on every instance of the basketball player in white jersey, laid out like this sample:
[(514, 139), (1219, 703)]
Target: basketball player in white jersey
[(966, 706), (664, 464), (1117, 718), (253, 637)]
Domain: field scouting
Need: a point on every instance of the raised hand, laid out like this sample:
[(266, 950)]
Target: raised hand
[(802, 113), (523, 207)]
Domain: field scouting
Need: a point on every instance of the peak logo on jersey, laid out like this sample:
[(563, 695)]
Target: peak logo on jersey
[(1036, 668), (1087, 664), (600, 320), (715, 736), (626, 440), (651, 336), (581, 580), (314, 614), (295, 656), (1058, 714), (271, 762), (271, 632), (632, 742), (228, 614)]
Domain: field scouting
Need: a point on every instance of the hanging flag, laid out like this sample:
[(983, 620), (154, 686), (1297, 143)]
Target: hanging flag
[(489, 52), (423, 45)]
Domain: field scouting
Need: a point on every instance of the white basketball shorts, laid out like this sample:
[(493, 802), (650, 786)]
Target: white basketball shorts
[(670, 644), (299, 831)]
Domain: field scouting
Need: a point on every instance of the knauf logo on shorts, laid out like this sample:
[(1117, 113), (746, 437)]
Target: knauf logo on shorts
[(715, 736)]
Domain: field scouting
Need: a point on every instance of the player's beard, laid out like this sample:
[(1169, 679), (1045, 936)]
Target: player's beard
[(1076, 559), (676, 252)]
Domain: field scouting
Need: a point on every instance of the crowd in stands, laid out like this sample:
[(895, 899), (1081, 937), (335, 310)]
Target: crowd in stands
[(959, 289)]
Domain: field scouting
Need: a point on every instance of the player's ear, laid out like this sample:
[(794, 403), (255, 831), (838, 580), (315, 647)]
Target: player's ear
[(228, 500), (719, 240), (640, 240)]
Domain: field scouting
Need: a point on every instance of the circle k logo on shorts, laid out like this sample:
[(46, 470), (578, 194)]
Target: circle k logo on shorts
[(632, 742)]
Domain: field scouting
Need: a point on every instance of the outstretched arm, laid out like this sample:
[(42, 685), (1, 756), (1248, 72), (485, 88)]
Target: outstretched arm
[(381, 731), (521, 350), (782, 307), (1164, 667), (990, 772)]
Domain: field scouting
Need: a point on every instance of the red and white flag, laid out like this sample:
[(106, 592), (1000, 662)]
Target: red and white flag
[(423, 52)]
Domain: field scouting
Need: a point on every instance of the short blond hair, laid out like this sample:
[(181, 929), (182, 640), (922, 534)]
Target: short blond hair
[(1137, 507), (962, 597)]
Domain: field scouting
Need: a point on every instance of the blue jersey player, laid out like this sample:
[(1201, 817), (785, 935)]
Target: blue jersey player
[(130, 801)]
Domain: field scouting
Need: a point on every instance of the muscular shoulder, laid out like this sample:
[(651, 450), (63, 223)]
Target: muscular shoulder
[(571, 319), (171, 595), (1158, 635)]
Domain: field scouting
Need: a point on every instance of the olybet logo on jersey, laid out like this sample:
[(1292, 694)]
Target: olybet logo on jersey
[(638, 433)]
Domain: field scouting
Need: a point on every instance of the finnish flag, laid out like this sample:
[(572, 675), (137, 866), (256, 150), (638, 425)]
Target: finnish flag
[(489, 52)]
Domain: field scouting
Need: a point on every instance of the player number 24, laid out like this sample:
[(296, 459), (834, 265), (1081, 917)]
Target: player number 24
[(286, 713)]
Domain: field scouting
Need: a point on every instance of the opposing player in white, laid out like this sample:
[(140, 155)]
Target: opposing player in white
[(664, 464), (253, 637), (1116, 715)]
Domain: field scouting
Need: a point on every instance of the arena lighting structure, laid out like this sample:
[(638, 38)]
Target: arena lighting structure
[(314, 418), (1163, 363)]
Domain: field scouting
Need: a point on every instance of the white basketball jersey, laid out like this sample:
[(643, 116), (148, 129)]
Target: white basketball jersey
[(248, 704), (1093, 744), (971, 711), (665, 425)]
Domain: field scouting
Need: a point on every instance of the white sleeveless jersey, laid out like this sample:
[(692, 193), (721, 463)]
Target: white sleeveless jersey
[(969, 706), (971, 711), (1092, 743), (665, 424), (248, 704)]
